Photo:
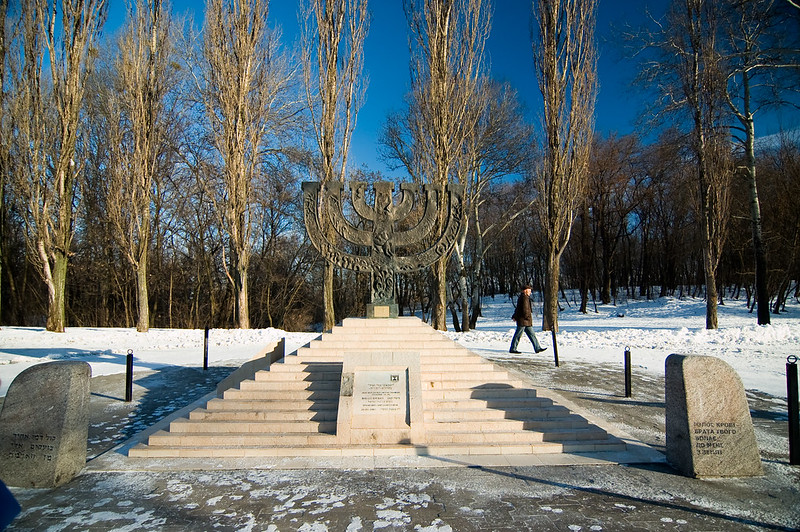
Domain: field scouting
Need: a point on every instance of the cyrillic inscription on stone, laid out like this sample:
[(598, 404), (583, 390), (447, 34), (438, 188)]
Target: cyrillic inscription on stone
[(379, 392), (44, 425), (709, 428), (711, 437)]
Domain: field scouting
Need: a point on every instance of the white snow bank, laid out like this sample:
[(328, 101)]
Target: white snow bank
[(650, 329)]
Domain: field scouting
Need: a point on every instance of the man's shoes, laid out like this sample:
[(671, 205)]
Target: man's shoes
[(542, 349), (515, 351)]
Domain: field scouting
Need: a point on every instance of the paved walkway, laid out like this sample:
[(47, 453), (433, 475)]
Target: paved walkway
[(581, 493)]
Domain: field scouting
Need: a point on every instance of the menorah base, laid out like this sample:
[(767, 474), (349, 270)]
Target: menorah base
[(382, 310)]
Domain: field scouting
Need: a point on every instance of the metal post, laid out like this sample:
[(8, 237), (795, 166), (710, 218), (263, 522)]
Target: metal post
[(627, 371), (555, 345), (794, 418), (129, 376), (205, 351)]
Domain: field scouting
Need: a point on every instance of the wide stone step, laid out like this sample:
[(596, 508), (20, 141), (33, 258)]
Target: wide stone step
[(516, 436), (504, 425), (295, 374), (457, 360), (284, 395), (263, 415), (292, 385), (278, 451), (304, 356), (470, 364), (383, 344), (466, 412), (577, 446), (498, 405), (297, 367), (508, 448), (544, 417), (263, 427), (476, 378), (273, 404), (358, 339), (206, 439), (489, 393), (470, 384), (438, 449)]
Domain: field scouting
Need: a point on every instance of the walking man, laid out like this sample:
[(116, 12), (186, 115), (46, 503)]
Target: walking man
[(523, 317)]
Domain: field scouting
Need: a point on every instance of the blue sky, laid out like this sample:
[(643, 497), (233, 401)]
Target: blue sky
[(509, 52)]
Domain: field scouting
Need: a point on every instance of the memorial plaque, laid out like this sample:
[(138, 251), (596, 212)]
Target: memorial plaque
[(380, 392), (380, 398), (709, 428), (379, 311), (44, 425)]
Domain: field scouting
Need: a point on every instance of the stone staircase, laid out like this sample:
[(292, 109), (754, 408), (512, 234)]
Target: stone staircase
[(470, 406)]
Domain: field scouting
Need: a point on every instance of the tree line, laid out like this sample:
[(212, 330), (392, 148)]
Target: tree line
[(152, 177)]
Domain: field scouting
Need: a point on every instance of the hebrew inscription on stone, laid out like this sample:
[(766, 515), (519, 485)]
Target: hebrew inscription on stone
[(377, 392)]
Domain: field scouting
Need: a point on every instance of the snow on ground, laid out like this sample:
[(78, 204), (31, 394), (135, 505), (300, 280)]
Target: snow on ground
[(105, 349), (653, 330), (650, 329)]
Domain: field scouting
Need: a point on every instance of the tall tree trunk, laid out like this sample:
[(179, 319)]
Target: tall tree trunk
[(439, 295), (477, 274), (583, 282), (550, 295), (458, 253), (759, 249), (711, 290), (56, 293), (142, 296), (240, 286), (329, 320)]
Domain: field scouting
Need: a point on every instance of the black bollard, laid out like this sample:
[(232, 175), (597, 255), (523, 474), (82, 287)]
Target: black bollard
[(205, 351), (129, 377), (555, 345), (628, 372), (794, 410)]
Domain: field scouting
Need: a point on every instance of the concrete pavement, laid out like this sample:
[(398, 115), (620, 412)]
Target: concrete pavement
[(571, 492)]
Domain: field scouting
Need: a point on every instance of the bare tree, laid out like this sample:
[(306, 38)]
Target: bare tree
[(611, 189), (5, 136), (753, 32), (496, 147), (447, 44), (144, 74), (48, 179), (243, 82), (565, 60), (333, 60), (686, 72)]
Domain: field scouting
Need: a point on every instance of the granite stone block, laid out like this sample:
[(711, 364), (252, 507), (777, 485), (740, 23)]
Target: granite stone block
[(44, 425), (708, 424)]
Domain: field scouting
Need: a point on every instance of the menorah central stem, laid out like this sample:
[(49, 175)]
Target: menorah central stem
[(374, 244)]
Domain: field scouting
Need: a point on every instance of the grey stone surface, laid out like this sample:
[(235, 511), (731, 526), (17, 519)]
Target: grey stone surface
[(708, 424), (44, 425)]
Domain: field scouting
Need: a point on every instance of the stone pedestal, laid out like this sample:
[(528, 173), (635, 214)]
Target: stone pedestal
[(380, 399), (44, 425), (709, 429)]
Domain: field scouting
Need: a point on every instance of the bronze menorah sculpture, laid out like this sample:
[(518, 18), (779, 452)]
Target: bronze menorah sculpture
[(385, 248)]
